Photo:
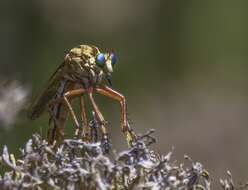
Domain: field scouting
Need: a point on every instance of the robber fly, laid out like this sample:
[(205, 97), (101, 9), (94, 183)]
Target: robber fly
[(84, 71)]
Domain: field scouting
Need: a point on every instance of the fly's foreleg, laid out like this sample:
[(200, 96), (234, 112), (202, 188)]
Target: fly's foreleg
[(126, 129)]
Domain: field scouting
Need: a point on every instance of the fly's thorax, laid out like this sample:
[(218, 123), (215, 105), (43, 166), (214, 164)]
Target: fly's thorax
[(82, 58), (86, 51), (83, 71)]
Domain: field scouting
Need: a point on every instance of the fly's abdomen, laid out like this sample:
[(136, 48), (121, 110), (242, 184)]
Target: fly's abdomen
[(57, 123)]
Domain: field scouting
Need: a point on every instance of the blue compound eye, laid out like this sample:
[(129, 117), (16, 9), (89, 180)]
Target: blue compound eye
[(113, 58), (100, 60)]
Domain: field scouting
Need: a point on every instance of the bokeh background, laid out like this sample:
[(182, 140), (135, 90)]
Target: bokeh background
[(182, 65)]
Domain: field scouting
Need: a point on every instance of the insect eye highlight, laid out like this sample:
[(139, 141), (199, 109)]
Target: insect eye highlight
[(100, 60), (113, 58)]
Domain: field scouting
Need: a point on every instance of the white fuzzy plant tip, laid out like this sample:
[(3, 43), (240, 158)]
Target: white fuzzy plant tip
[(13, 96)]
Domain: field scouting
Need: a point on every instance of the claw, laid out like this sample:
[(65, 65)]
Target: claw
[(86, 137), (76, 134), (131, 138)]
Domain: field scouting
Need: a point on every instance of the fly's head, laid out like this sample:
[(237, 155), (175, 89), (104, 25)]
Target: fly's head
[(105, 62)]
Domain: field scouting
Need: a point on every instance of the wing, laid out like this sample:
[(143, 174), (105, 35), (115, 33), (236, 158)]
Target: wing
[(42, 100)]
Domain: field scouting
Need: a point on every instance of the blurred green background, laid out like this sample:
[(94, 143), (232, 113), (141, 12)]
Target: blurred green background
[(182, 65)]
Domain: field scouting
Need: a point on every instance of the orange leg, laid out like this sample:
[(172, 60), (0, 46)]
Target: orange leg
[(106, 91), (65, 100), (86, 133), (99, 115)]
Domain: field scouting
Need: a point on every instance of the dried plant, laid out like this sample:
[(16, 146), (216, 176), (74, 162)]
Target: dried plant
[(75, 164), (13, 97)]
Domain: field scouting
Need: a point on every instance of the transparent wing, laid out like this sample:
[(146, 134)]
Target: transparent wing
[(42, 100)]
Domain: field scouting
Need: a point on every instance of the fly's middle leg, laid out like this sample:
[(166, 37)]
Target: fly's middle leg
[(86, 132), (99, 116)]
